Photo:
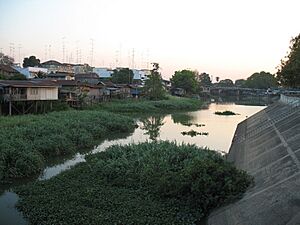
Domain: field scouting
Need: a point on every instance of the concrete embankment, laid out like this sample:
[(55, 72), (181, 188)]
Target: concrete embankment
[(267, 146)]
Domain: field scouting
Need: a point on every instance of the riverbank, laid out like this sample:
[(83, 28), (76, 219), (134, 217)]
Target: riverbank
[(145, 106), (148, 183)]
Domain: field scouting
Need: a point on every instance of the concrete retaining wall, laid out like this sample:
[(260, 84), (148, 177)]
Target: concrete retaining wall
[(267, 146)]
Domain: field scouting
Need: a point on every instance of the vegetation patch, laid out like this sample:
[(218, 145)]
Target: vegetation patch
[(26, 141), (148, 183), (193, 133), (146, 106), (191, 124), (226, 113)]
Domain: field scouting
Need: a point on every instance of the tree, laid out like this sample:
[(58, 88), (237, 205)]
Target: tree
[(6, 60), (154, 89), (288, 73), (204, 79), (185, 79), (225, 83), (239, 82), (122, 76), (262, 80), (32, 61)]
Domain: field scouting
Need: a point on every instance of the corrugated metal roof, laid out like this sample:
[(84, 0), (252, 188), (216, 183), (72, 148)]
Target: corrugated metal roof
[(103, 72), (28, 83), (8, 68)]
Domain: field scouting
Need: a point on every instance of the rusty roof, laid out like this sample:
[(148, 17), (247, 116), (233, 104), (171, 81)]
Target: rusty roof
[(8, 68), (28, 83)]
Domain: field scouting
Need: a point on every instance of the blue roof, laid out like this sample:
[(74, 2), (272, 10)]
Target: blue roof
[(24, 71), (103, 72)]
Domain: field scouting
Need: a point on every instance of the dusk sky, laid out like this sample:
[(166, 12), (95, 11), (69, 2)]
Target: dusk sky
[(230, 39)]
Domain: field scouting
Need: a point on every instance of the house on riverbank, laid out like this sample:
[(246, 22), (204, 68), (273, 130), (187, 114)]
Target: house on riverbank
[(25, 96)]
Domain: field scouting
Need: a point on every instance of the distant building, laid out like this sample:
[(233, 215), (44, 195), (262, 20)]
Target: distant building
[(61, 76), (54, 66), (140, 76), (90, 78), (103, 73)]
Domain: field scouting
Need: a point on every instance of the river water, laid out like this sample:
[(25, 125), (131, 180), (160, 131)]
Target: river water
[(216, 132)]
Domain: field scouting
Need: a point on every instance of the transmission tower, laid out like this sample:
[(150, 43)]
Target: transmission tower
[(19, 48), (12, 50), (49, 55), (63, 49), (92, 51), (132, 62)]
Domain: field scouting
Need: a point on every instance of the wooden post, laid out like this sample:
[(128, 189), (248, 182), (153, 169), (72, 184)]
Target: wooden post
[(9, 107), (9, 101), (51, 106)]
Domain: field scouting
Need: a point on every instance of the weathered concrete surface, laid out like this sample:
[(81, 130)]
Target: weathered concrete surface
[(267, 146)]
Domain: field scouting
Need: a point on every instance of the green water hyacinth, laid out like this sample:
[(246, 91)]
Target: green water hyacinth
[(147, 183), (26, 142)]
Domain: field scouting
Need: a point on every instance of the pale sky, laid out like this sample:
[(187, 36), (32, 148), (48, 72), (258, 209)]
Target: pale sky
[(225, 38)]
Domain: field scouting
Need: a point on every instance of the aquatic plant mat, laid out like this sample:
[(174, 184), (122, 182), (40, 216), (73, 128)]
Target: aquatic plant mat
[(148, 183), (226, 113), (26, 142)]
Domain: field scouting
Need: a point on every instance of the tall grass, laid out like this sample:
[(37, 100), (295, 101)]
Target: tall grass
[(26, 141), (148, 183)]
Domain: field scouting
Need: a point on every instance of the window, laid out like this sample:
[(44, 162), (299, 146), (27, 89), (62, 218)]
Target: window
[(34, 91)]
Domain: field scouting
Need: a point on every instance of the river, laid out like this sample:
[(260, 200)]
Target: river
[(216, 132)]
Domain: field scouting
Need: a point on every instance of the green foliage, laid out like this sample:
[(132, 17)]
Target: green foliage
[(17, 76), (204, 79), (148, 183), (185, 79), (6, 60), (225, 113), (240, 83), (152, 126), (122, 76), (262, 80), (146, 106), (153, 88), (288, 73), (193, 133), (225, 83), (41, 75), (26, 141), (32, 61)]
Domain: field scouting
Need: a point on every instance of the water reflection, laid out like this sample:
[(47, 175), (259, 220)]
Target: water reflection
[(152, 126), (182, 118)]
